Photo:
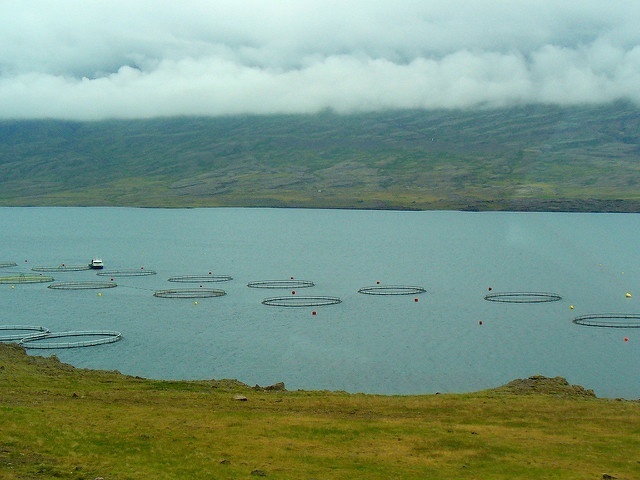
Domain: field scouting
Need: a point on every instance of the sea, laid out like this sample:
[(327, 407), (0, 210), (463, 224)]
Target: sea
[(429, 327)]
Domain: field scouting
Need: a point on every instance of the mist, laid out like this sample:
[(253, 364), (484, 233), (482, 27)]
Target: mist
[(111, 59)]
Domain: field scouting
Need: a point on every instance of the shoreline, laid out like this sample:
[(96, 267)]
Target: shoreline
[(470, 205)]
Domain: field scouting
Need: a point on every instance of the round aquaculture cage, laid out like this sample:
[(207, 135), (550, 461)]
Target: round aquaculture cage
[(300, 301), (88, 338), (200, 278), (522, 297), (61, 268), (392, 290), (189, 293), (609, 320), (8, 264), (81, 285), (131, 272), (280, 284), (25, 278), (25, 329)]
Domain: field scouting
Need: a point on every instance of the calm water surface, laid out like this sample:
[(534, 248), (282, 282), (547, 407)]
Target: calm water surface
[(450, 340)]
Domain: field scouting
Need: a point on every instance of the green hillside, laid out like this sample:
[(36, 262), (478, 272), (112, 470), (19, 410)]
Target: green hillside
[(526, 158), (60, 422)]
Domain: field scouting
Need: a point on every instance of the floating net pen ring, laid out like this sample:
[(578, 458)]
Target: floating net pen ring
[(189, 293), (200, 278), (522, 297), (300, 301), (81, 285), (609, 320), (61, 268), (280, 284), (127, 273), (41, 340), (19, 328), (24, 278), (392, 290), (8, 264)]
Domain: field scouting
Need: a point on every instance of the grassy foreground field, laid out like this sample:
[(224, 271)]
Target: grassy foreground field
[(60, 422)]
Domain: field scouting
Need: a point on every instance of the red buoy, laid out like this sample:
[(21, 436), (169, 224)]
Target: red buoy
[(626, 339), (293, 292), (415, 300), (480, 322), (313, 313)]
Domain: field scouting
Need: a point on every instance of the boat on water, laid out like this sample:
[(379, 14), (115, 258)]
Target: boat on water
[(96, 264)]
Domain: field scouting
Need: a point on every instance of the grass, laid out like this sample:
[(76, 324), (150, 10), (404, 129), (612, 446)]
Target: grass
[(60, 422), (524, 158)]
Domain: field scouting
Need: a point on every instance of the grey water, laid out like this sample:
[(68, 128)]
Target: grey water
[(449, 339)]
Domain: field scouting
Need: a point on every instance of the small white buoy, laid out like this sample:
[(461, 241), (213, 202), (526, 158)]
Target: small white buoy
[(628, 295)]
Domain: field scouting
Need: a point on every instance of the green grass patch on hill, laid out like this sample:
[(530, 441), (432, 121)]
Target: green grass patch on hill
[(60, 422), (522, 158)]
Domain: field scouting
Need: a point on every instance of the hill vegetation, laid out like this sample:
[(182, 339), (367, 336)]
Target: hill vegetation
[(525, 158), (57, 421)]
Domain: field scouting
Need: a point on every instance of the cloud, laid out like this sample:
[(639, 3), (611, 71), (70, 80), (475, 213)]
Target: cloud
[(100, 59)]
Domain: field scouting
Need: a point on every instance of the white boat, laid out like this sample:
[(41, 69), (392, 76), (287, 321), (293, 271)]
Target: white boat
[(96, 264)]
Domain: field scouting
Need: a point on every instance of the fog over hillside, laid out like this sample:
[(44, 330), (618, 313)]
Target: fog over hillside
[(115, 59)]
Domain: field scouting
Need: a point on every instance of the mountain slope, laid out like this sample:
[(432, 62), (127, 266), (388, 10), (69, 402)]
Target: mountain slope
[(535, 157)]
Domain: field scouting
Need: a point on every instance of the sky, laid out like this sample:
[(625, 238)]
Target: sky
[(99, 59)]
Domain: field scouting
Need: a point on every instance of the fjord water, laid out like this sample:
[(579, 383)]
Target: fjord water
[(449, 340)]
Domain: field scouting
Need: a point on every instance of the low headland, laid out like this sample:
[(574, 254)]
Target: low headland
[(57, 421)]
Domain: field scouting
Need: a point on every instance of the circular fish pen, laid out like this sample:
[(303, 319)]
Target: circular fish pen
[(522, 297), (300, 301), (190, 293), (12, 337), (609, 320), (131, 272), (61, 268), (43, 340), (392, 290), (25, 278), (81, 285), (280, 284), (8, 264), (200, 278)]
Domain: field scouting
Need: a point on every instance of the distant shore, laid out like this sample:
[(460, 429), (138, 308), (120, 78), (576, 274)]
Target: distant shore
[(470, 205)]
